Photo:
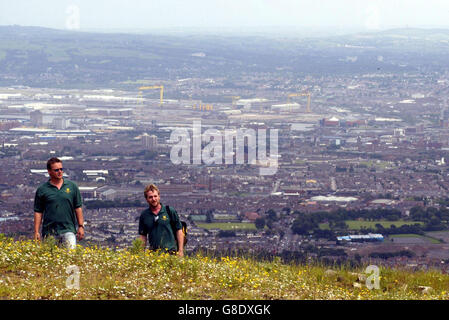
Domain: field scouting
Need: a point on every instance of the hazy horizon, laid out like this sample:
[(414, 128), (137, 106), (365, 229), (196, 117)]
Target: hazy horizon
[(321, 16)]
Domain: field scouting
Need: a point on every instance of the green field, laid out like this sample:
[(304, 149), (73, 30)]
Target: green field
[(377, 164), (297, 161), (412, 235), (224, 217), (357, 225), (227, 226)]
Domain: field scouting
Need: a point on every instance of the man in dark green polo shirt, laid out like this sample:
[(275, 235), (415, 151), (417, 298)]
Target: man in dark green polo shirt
[(58, 207), (156, 224)]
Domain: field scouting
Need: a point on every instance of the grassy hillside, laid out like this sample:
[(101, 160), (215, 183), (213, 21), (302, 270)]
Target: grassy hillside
[(30, 270)]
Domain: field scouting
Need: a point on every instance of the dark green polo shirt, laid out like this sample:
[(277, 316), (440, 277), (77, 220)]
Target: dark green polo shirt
[(58, 207), (160, 233)]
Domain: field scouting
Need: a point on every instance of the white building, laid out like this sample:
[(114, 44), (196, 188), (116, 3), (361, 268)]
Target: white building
[(61, 123), (149, 141)]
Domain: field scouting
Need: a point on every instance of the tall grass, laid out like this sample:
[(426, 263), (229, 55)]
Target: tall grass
[(31, 270)]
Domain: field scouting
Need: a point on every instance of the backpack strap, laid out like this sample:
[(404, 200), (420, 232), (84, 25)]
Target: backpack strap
[(170, 215)]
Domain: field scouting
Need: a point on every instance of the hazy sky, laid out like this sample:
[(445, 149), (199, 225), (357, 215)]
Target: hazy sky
[(160, 14)]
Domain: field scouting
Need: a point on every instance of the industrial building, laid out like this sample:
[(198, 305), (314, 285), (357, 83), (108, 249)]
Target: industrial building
[(370, 237)]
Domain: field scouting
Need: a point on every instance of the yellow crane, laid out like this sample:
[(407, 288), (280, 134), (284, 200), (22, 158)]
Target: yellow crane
[(301, 94), (203, 107), (161, 87)]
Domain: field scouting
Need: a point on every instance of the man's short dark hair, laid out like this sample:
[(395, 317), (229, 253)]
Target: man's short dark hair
[(51, 161)]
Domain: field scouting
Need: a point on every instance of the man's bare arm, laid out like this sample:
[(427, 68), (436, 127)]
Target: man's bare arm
[(37, 225), (80, 219), (144, 240), (180, 238)]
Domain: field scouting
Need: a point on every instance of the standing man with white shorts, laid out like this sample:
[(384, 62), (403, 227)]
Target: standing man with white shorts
[(58, 207)]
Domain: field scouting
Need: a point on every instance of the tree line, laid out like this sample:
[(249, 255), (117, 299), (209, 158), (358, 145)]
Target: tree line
[(433, 219)]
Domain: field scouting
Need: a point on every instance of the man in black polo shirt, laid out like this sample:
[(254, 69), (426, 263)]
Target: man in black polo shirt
[(58, 207), (157, 224)]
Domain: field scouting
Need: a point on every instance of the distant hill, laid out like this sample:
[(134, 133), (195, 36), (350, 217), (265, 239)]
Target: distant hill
[(58, 58)]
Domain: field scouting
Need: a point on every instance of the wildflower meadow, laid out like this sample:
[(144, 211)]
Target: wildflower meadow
[(34, 270)]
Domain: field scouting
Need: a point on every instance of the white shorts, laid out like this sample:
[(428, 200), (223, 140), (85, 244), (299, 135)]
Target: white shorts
[(68, 239)]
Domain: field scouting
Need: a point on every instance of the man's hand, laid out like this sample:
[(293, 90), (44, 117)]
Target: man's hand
[(80, 233), (180, 253), (80, 219), (37, 236)]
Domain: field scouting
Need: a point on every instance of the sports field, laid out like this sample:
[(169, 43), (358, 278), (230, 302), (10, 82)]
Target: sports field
[(228, 226), (408, 237), (357, 225)]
